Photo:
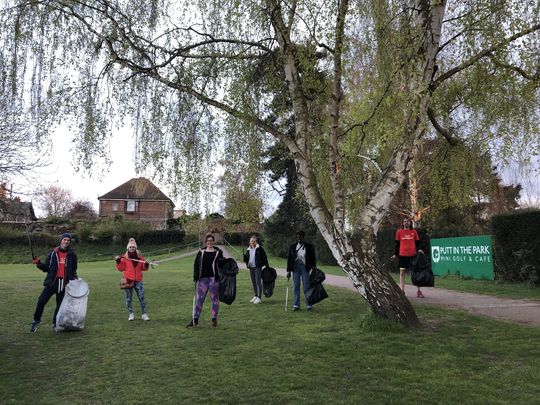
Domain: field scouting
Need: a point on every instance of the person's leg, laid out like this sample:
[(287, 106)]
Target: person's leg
[(59, 299), (253, 281), (419, 293), (296, 274), (213, 287), (306, 285), (200, 296), (258, 282), (128, 294), (139, 289), (402, 279), (44, 297)]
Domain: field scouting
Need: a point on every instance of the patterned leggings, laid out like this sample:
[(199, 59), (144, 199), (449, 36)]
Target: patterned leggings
[(139, 289), (204, 285)]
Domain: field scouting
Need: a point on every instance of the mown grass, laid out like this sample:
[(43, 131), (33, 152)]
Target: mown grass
[(339, 353)]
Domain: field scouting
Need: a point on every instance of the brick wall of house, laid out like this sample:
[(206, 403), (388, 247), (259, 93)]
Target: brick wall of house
[(154, 212)]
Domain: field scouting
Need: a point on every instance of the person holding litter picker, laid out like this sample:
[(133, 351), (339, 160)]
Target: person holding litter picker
[(300, 261), (132, 264), (61, 267), (206, 278)]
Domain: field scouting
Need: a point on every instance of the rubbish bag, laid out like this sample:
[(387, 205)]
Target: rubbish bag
[(316, 292), (228, 269), (316, 276), (421, 273), (72, 312), (268, 275)]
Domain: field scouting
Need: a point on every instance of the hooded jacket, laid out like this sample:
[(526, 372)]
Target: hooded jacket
[(132, 270), (197, 266), (50, 266), (260, 257)]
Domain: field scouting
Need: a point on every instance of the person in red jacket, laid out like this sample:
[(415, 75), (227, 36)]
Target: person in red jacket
[(132, 264), (406, 248)]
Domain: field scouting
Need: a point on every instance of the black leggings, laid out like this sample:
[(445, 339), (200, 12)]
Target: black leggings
[(44, 297)]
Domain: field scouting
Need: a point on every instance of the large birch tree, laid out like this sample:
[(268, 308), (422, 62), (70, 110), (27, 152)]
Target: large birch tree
[(361, 83)]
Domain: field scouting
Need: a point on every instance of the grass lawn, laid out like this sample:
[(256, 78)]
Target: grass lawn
[(338, 353)]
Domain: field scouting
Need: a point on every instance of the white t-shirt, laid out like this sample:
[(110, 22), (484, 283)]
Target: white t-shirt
[(301, 252), (251, 261)]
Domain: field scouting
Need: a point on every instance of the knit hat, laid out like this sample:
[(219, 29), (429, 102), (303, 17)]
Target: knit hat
[(132, 243), (65, 235)]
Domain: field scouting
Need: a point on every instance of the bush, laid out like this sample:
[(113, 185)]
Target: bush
[(516, 246)]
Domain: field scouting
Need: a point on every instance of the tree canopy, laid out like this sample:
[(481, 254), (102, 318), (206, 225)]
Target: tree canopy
[(352, 89)]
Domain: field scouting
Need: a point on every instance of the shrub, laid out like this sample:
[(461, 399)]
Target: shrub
[(516, 246)]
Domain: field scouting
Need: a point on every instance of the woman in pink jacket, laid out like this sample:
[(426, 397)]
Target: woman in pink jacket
[(132, 264)]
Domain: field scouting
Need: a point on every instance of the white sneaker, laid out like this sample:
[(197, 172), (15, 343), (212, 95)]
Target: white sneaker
[(257, 300), (145, 317), (131, 317), (253, 299)]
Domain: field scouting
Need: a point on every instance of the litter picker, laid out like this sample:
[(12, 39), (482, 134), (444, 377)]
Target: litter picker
[(287, 292), (146, 261), (30, 242)]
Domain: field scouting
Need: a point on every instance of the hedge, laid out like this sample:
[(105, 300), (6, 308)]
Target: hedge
[(516, 246)]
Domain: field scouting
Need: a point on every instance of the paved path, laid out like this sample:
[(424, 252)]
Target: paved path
[(520, 311)]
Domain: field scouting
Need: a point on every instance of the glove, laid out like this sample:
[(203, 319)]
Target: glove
[(36, 261), (288, 275), (118, 259)]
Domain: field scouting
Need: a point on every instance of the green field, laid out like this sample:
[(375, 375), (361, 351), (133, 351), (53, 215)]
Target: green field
[(339, 353)]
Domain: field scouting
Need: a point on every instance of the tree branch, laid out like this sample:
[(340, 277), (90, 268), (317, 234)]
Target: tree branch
[(440, 129), (482, 54)]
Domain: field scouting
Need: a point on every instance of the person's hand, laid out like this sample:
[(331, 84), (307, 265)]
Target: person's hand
[(118, 259), (288, 275), (392, 257), (420, 251), (36, 261)]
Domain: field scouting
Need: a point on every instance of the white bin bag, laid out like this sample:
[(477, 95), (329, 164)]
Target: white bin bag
[(72, 312)]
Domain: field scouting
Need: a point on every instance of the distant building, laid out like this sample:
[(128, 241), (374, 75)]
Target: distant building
[(138, 200), (16, 211)]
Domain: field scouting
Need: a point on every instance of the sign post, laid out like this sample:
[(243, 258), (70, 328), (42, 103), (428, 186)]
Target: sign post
[(469, 256)]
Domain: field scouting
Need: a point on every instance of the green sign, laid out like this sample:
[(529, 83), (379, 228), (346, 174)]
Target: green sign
[(468, 256)]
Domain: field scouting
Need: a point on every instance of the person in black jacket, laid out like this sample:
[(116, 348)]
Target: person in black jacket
[(206, 278), (256, 260), (61, 267), (300, 261)]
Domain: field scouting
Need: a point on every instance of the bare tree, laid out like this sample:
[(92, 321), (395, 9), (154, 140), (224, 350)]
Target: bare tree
[(55, 201)]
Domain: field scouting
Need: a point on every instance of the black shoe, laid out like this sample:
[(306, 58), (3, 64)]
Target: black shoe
[(309, 308), (295, 309), (214, 323), (193, 323), (34, 326)]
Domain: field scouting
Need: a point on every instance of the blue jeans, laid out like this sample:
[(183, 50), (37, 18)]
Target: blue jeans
[(300, 272), (139, 289)]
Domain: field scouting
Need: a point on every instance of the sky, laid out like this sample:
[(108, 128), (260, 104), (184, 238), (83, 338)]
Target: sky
[(89, 187)]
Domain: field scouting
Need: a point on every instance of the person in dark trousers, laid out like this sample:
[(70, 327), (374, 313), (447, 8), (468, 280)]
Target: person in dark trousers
[(206, 278), (132, 264), (300, 261), (256, 260), (407, 245), (61, 267)]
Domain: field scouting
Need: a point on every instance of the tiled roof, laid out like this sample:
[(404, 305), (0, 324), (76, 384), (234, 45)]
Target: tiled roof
[(15, 210), (139, 188)]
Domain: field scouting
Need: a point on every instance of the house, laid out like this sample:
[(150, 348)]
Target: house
[(13, 210), (138, 200)]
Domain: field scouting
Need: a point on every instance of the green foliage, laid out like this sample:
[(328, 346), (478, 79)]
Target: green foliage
[(516, 246)]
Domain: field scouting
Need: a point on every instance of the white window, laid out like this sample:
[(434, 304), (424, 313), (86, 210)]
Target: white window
[(115, 206), (131, 206)]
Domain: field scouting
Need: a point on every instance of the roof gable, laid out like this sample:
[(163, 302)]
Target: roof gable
[(138, 188)]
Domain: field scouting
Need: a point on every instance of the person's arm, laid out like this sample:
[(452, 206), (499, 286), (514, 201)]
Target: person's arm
[(396, 248), (75, 266), (264, 257), (120, 263), (44, 267)]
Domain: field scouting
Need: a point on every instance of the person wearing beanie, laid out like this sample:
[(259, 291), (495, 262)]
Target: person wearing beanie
[(132, 263), (61, 267)]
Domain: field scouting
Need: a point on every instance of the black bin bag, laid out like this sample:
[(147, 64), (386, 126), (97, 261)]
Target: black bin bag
[(268, 275), (316, 292), (421, 273), (228, 269)]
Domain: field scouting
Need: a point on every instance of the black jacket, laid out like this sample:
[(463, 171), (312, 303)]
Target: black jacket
[(260, 257), (310, 257), (197, 266), (51, 267)]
